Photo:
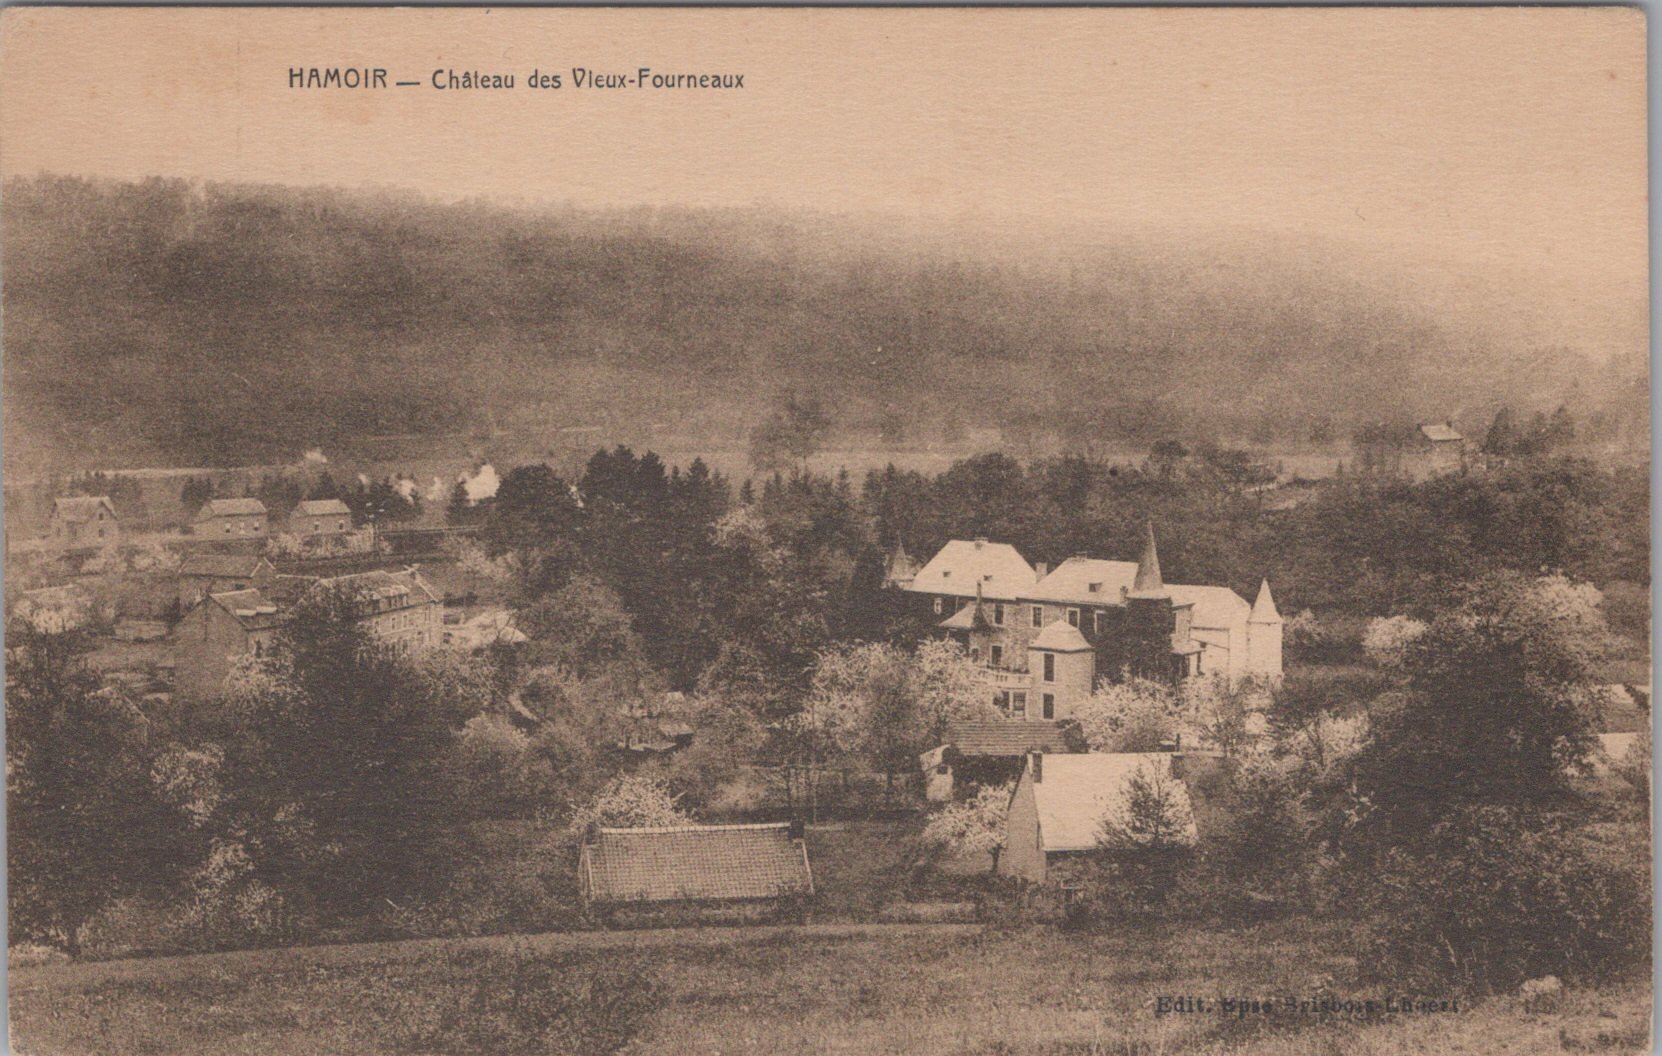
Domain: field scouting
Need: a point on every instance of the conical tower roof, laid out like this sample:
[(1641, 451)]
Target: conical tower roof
[(1264, 610), (1148, 579)]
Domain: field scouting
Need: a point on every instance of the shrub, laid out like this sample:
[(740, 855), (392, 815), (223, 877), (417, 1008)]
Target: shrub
[(1490, 900)]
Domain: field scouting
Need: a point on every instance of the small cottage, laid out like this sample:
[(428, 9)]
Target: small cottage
[(694, 864), (320, 518), (991, 752), (231, 519), (83, 521), (1062, 802)]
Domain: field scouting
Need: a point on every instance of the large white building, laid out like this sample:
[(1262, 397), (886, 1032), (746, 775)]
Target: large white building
[(1046, 636)]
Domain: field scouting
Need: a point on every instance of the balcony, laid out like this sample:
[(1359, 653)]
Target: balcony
[(1005, 678)]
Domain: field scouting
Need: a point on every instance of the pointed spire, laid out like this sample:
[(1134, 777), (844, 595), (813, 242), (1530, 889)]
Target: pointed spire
[(1148, 579), (1264, 610)]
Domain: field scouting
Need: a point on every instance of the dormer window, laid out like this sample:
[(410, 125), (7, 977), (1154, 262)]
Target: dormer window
[(946, 573), (1094, 588)]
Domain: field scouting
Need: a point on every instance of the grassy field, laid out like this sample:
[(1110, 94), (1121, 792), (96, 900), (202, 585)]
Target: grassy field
[(941, 989)]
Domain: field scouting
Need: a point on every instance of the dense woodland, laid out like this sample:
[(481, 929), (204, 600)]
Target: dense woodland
[(184, 324)]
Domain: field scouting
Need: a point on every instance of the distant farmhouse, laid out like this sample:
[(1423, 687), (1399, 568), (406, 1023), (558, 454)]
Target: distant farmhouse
[(83, 522), (1440, 450), (1044, 637), (694, 864), (318, 518), (1062, 802), (221, 627), (231, 519)]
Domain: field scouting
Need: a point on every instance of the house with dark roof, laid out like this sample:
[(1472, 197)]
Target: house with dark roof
[(1062, 804), (1439, 449), (991, 752), (221, 519), (694, 864), (216, 632), (201, 574), (1044, 638), (83, 522)]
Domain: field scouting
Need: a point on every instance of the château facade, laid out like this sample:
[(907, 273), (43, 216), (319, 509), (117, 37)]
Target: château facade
[(1045, 636)]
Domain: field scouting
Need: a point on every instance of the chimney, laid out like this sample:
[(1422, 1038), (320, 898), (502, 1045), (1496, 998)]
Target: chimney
[(980, 541), (1036, 763), (797, 829), (1042, 568)]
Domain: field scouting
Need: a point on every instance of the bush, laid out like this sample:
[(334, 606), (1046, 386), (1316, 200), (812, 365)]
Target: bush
[(1490, 901)]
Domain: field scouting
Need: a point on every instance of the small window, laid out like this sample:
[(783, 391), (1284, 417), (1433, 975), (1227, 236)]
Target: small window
[(1096, 621), (1038, 615), (997, 655), (1094, 588), (1001, 700), (946, 574), (1050, 667), (1050, 705), (1018, 704), (227, 528), (938, 606), (998, 614), (340, 526), (975, 654), (1073, 617)]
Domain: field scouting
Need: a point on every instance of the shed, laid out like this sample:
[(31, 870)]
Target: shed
[(694, 863)]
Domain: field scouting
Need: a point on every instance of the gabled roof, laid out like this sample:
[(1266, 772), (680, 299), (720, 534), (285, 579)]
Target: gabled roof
[(1439, 432), (1003, 574), (1072, 580), (231, 508), (1005, 737), (321, 508), (224, 565), (1216, 607), (1060, 636), (1076, 793), (381, 584), (251, 608), (77, 508), (694, 862)]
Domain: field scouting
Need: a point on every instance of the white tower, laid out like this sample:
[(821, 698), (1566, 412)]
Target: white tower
[(1264, 636)]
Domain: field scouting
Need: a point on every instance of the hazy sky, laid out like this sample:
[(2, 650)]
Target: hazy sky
[(1511, 136)]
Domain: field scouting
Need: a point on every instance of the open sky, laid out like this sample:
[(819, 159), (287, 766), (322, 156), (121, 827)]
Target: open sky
[(1507, 138)]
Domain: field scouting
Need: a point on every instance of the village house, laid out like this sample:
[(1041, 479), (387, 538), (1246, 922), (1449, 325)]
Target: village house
[(694, 864), (204, 574), (1045, 637), (83, 522), (231, 519), (215, 633), (320, 518), (1063, 802), (991, 753), (1438, 451), (399, 608)]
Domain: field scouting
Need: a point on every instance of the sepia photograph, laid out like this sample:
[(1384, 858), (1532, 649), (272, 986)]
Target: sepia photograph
[(980, 531)]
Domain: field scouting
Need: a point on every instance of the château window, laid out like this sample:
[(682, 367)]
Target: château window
[(1050, 705), (1050, 667), (1096, 621), (1018, 704), (997, 656), (998, 614), (1073, 617), (1038, 615), (938, 605)]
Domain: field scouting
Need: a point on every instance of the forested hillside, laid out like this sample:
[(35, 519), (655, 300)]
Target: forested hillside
[(203, 325)]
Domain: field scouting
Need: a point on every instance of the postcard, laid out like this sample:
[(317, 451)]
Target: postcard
[(984, 530)]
